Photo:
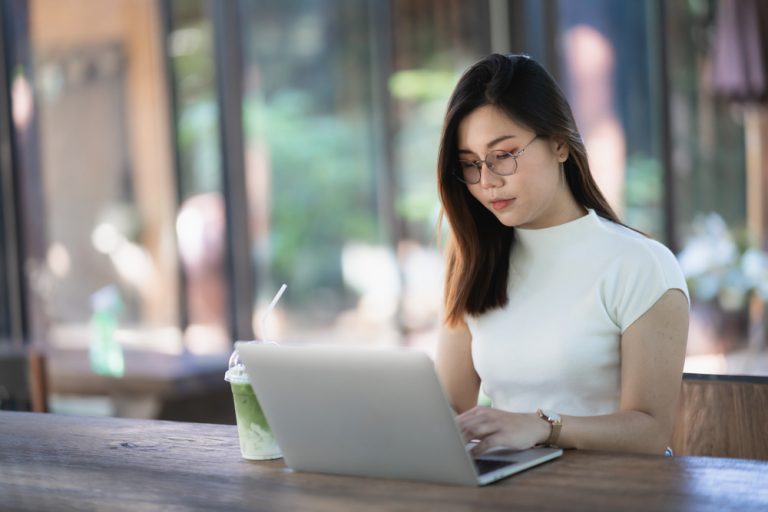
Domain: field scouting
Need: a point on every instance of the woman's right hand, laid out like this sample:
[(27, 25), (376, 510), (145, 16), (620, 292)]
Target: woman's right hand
[(495, 428)]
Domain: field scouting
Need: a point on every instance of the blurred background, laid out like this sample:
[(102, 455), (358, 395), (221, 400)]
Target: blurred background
[(167, 164)]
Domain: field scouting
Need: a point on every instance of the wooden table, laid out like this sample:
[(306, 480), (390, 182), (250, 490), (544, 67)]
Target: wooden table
[(180, 387), (150, 373), (60, 463)]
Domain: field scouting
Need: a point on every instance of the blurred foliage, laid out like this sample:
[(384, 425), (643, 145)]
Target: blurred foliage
[(721, 264), (322, 194), (199, 149), (314, 114), (421, 84), (424, 94), (191, 44), (707, 133), (643, 195)]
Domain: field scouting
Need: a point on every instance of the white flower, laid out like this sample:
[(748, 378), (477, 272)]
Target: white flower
[(710, 248), (714, 268)]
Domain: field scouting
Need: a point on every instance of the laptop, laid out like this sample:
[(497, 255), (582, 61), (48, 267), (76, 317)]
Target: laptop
[(369, 412)]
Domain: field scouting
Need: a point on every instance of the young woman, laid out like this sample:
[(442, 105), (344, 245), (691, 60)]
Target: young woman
[(575, 325)]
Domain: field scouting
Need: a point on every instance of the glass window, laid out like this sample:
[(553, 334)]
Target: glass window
[(201, 221), (612, 74), (723, 261), (9, 296), (310, 161), (343, 108), (433, 45), (609, 67), (105, 162), (5, 327), (707, 132)]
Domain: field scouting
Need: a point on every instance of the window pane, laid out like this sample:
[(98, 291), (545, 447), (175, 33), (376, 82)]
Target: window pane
[(106, 167), (434, 43), (609, 80), (343, 108), (708, 144), (5, 327), (707, 132), (201, 221), (310, 163)]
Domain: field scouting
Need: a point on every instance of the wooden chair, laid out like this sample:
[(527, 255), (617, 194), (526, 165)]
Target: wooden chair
[(23, 378), (722, 416)]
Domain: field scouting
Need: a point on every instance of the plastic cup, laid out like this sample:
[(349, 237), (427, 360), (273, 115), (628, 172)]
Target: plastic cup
[(256, 439)]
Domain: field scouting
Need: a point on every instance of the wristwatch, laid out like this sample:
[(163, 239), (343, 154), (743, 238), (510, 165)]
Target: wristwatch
[(555, 425)]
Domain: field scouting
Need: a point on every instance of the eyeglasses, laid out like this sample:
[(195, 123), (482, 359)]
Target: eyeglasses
[(500, 163)]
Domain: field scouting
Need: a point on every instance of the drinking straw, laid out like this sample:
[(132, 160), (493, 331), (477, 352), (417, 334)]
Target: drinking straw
[(265, 316)]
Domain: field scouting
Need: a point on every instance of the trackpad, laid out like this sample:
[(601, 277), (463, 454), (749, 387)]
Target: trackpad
[(484, 465)]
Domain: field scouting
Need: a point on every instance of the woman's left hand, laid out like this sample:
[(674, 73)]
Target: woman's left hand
[(496, 428)]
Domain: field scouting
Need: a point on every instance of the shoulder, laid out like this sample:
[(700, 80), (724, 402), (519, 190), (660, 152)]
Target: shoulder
[(639, 272), (632, 248)]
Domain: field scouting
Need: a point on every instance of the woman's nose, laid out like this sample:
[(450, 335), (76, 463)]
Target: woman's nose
[(489, 179)]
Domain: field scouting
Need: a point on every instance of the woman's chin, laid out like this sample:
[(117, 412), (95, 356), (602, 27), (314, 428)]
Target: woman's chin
[(508, 219)]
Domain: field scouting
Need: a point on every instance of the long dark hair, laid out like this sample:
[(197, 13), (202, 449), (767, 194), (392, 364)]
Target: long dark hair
[(477, 259)]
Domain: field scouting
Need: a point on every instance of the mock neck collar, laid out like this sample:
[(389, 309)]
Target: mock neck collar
[(559, 235)]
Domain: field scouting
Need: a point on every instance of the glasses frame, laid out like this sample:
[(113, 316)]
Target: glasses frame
[(478, 164)]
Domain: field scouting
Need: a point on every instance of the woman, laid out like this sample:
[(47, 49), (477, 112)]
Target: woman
[(575, 325)]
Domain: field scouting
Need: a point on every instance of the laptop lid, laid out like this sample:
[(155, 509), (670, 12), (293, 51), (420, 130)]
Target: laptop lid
[(361, 411)]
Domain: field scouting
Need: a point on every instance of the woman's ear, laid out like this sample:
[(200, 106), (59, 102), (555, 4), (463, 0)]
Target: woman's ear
[(561, 149)]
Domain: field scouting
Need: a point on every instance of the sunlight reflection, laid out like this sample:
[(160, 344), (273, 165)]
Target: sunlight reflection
[(710, 363)]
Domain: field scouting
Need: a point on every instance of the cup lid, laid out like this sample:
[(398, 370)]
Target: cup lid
[(236, 372)]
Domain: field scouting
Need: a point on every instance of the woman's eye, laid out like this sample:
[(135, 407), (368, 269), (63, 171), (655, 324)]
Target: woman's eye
[(464, 164), (504, 155)]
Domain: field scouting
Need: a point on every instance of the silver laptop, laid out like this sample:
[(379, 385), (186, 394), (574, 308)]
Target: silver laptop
[(369, 412)]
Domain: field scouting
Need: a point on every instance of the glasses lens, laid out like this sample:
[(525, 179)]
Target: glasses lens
[(503, 162), (468, 172)]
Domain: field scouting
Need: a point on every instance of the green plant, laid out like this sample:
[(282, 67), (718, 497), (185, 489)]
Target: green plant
[(322, 193)]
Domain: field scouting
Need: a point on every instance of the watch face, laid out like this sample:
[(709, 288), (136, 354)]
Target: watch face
[(552, 416)]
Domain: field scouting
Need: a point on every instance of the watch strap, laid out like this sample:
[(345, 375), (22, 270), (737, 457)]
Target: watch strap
[(555, 425)]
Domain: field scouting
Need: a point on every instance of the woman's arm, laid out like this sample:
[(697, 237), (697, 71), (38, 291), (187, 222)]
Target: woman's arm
[(455, 369), (652, 354)]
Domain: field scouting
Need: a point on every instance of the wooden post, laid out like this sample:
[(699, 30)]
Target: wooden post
[(756, 138), (37, 379)]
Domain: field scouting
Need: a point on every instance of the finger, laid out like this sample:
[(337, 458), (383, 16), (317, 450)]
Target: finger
[(478, 429), (488, 443), (466, 415), (469, 422), (479, 422), (466, 421), (474, 416)]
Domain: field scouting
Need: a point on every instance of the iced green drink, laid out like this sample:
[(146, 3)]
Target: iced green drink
[(256, 439)]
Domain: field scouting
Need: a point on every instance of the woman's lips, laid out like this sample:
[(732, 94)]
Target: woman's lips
[(500, 204)]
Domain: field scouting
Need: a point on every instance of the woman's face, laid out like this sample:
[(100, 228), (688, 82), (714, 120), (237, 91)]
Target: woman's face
[(536, 196)]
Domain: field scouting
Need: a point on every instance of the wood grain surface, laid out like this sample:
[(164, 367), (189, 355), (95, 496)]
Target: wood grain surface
[(722, 418), (60, 463)]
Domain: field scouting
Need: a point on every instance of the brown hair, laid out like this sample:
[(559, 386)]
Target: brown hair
[(478, 251)]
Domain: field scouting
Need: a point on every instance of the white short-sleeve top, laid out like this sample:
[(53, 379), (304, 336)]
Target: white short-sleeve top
[(573, 290)]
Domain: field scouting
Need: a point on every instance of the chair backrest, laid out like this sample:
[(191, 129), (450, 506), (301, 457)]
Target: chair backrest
[(23, 378), (722, 416)]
